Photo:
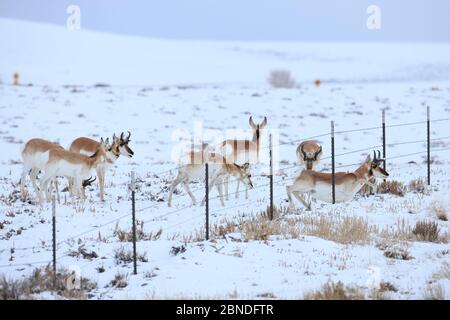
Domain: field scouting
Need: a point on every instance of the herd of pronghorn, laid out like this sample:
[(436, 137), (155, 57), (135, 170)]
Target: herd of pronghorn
[(233, 158)]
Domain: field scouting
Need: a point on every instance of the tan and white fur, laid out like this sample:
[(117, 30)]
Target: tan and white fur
[(73, 165), (244, 151), (89, 146), (35, 154), (319, 184), (309, 153), (218, 168)]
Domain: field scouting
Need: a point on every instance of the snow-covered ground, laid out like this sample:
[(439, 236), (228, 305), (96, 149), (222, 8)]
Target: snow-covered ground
[(162, 90)]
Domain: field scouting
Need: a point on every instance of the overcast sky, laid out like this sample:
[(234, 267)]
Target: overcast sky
[(279, 20)]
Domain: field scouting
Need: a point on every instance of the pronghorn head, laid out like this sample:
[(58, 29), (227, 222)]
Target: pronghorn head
[(111, 152), (244, 174), (373, 167), (310, 153), (122, 143), (257, 128)]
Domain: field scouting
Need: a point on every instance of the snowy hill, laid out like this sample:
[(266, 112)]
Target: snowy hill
[(49, 54)]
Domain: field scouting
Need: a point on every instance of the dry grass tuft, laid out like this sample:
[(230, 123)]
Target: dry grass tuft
[(417, 186), (439, 211), (335, 291), (42, 280), (392, 187), (120, 281), (127, 236), (427, 231), (435, 292), (123, 256), (281, 79), (345, 230)]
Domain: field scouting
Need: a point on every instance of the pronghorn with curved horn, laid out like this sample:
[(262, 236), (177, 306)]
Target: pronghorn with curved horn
[(319, 184), (89, 146), (309, 153), (219, 170), (372, 188), (35, 154), (244, 151), (72, 165)]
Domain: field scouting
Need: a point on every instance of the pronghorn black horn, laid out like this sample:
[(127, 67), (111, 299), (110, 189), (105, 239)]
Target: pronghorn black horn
[(129, 135), (379, 154), (88, 182), (317, 152), (374, 156), (121, 136), (303, 152)]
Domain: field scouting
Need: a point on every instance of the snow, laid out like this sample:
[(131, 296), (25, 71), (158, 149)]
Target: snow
[(162, 90)]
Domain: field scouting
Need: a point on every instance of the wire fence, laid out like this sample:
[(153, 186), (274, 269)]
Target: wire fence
[(284, 178)]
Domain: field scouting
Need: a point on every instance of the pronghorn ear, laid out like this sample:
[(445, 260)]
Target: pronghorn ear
[(107, 140), (114, 137), (101, 141), (252, 124), (368, 160), (264, 123)]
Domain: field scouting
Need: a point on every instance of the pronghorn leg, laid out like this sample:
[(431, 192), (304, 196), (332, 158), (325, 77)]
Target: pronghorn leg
[(25, 171), (289, 194), (57, 190), (101, 182), (246, 192), (219, 187), (226, 181), (237, 189), (174, 184), (33, 177), (188, 190), (299, 197), (210, 186), (44, 187), (70, 185)]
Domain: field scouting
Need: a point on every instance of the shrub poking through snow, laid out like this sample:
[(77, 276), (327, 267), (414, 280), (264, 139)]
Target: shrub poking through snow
[(281, 79), (42, 280), (439, 211), (426, 231), (335, 291), (397, 253), (123, 256), (417, 185), (392, 187), (177, 250), (119, 281), (127, 236)]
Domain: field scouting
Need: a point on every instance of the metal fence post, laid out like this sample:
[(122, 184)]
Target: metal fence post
[(271, 176), (383, 125), (333, 169), (54, 238), (428, 146), (133, 217), (206, 201)]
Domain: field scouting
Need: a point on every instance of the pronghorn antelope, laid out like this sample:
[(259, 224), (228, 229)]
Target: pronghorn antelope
[(88, 147), (244, 151), (319, 185), (372, 188), (122, 143), (35, 155), (71, 165), (309, 153), (219, 170)]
